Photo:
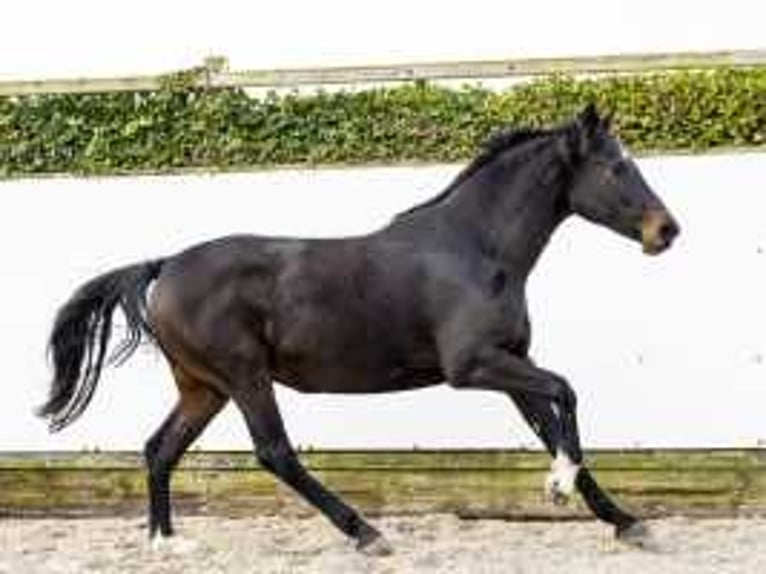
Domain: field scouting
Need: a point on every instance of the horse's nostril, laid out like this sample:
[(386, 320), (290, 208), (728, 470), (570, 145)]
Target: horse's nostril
[(658, 230), (667, 231)]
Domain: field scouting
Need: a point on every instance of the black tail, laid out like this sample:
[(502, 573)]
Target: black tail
[(81, 333)]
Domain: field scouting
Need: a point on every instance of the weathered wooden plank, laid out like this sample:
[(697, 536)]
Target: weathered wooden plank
[(492, 69), (214, 74), (470, 483), (431, 459)]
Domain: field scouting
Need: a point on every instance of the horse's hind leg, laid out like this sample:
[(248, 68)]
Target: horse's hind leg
[(542, 419), (274, 452), (197, 404)]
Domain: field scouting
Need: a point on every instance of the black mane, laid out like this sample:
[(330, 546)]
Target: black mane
[(497, 143)]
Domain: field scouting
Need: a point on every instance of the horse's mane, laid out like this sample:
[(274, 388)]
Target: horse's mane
[(497, 143)]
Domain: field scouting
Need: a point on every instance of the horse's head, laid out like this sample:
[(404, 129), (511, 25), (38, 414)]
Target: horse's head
[(608, 188)]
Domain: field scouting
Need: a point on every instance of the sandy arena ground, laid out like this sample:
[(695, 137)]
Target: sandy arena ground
[(436, 543)]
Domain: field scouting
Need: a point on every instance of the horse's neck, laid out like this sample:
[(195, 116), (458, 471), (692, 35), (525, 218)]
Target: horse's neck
[(511, 208)]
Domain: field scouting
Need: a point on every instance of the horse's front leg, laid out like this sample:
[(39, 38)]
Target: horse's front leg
[(496, 369), (542, 419)]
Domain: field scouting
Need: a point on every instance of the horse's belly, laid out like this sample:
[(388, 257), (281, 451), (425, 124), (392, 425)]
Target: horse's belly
[(338, 381), (355, 366), (336, 340)]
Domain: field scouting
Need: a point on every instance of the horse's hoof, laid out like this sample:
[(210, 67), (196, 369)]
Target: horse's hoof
[(376, 545), (161, 543), (636, 534), (173, 544)]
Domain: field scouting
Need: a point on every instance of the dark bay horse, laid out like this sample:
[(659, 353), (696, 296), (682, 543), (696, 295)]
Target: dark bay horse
[(436, 296)]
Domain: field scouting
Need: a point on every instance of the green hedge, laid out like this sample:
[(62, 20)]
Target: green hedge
[(179, 127)]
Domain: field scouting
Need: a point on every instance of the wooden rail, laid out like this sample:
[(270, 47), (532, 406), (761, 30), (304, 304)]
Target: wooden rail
[(473, 483), (214, 72)]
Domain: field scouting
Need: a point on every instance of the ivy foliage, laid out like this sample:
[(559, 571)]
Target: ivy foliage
[(179, 127)]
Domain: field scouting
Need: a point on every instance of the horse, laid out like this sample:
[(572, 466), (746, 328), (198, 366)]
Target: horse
[(437, 296)]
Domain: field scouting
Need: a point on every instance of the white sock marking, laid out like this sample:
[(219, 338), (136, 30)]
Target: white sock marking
[(561, 478)]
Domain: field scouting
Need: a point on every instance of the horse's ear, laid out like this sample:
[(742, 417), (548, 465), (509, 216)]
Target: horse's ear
[(607, 120), (589, 118), (593, 121), (573, 143), (578, 134)]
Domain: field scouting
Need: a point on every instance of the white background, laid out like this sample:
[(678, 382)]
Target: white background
[(665, 351), (94, 37)]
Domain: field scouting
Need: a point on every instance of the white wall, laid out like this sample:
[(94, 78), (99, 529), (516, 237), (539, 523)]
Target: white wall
[(50, 38), (663, 351)]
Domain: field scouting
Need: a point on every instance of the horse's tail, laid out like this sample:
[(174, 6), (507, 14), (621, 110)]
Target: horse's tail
[(81, 332)]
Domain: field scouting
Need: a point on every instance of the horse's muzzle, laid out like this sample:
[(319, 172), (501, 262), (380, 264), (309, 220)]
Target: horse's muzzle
[(658, 230)]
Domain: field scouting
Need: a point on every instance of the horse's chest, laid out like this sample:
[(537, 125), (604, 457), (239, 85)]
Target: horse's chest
[(514, 328)]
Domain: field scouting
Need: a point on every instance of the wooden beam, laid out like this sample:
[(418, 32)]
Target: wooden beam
[(493, 69), (503, 484), (214, 72)]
